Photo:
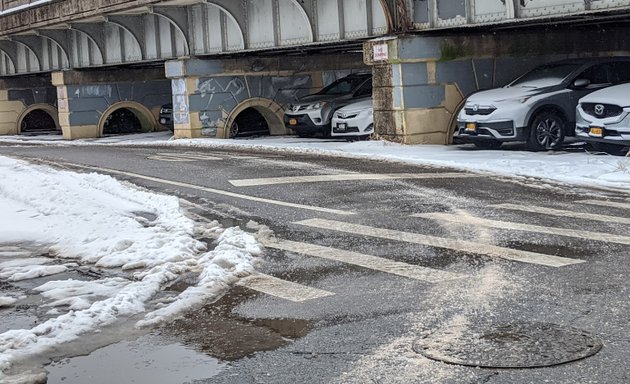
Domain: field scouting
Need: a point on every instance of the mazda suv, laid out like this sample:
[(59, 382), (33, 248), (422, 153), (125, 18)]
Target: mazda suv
[(537, 108)]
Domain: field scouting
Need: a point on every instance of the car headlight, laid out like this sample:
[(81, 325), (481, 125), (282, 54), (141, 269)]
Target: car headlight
[(319, 105)]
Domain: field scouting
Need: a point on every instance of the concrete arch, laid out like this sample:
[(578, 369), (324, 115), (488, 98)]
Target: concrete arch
[(92, 44), (10, 70), (178, 29), (231, 17), (27, 62), (147, 119), (389, 18), (66, 57), (49, 109), (129, 33), (272, 112), (305, 18)]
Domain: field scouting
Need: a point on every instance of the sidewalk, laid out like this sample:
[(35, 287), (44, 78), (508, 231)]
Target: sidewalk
[(572, 166)]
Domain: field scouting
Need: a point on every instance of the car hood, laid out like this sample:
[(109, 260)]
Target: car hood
[(616, 95), (357, 107), (500, 94), (316, 98)]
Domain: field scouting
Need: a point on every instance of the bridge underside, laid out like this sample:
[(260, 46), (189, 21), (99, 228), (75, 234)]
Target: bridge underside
[(224, 57)]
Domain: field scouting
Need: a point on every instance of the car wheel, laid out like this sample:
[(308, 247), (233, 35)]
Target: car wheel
[(233, 130), (487, 144), (546, 131), (612, 149)]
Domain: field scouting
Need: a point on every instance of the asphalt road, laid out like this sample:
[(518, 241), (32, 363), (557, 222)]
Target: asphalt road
[(471, 252)]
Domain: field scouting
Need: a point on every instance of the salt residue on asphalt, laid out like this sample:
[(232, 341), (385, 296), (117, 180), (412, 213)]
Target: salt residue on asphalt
[(95, 220), (454, 305)]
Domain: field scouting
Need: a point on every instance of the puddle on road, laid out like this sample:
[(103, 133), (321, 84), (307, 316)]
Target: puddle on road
[(219, 332), (148, 359)]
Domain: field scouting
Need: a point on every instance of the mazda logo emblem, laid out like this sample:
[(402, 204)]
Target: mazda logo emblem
[(599, 109)]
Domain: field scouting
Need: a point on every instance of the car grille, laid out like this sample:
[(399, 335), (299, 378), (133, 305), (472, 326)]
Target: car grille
[(297, 108), (484, 111), (602, 111), (344, 116)]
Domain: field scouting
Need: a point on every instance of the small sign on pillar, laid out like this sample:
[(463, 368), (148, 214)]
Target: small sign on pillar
[(380, 52)]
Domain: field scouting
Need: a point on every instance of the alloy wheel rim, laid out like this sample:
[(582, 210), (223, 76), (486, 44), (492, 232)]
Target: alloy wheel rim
[(233, 130), (548, 132)]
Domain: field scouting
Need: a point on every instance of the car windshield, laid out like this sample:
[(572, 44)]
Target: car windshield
[(342, 86), (545, 76)]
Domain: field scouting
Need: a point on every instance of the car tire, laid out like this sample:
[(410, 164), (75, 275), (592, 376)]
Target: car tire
[(546, 131), (487, 144), (234, 130), (613, 149)]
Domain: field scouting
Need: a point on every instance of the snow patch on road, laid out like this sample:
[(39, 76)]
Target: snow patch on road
[(95, 220)]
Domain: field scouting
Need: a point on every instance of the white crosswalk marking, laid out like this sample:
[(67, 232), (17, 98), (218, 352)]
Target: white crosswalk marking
[(283, 289), (432, 241), (345, 177), (182, 157), (606, 203), (563, 213), (206, 189), (366, 261), (477, 221)]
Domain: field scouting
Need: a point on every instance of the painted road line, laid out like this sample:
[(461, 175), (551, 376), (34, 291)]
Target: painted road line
[(563, 213), (283, 289), (206, 189), (365, 261), (477, 221), (439, 242), (182, 157), (606, 203), (345, 177)]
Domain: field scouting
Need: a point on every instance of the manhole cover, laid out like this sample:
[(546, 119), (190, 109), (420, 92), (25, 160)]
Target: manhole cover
[(516, 345)]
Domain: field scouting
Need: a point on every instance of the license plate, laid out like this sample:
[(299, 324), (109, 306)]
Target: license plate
[(596, 131), (292, 121), (471, 127), (342, 126)]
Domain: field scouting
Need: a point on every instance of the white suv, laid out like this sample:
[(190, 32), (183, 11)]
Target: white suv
[(539, 107), (603, 119)]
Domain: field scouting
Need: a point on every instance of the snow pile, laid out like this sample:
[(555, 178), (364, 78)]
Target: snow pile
[(93, 219)]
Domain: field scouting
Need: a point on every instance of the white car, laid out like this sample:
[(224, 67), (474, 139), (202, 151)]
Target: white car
[(354, 121), (603, 119), (539, 107)]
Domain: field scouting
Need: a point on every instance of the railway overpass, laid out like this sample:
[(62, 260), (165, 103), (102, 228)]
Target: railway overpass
[(79, 62)]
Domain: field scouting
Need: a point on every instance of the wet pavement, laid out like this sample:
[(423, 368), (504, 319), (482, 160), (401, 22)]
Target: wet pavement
[(366, 325)]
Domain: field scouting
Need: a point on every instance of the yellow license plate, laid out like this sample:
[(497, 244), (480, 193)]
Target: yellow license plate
[(596, 131), (292, 121), (472, 127)]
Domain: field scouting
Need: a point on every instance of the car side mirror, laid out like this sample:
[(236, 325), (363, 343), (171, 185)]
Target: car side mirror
[(581, 83)]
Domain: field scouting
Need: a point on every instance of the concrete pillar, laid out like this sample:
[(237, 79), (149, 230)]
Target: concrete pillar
[(10, 111), (86, 99), (411, 105)]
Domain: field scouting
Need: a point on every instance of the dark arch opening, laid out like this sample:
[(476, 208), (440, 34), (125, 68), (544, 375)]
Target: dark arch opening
[(122, 121), (250, 122), (38, 121)]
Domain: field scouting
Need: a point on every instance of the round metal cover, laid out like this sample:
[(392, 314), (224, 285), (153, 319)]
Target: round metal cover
[(516, 345)]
